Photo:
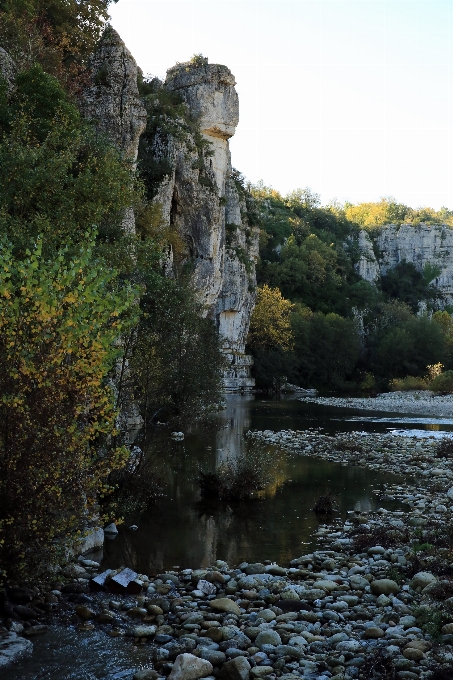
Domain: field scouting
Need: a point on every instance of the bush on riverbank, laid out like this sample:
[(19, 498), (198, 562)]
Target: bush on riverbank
[(240, 478), (408, 384), (60, 322)]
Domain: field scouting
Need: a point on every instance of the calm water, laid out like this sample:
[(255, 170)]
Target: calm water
[(181, 530)]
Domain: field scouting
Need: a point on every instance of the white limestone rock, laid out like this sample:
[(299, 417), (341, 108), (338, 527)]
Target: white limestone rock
[(13, 648), (7, 68), (209, 211)]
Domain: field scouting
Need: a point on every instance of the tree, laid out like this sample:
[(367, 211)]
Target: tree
[(406, 284), (57, 176), (58, 34), (60, 322), (176, 361), (401, 344), (445, 321), (270, 324)]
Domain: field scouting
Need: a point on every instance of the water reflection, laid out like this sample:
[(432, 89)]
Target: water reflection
[(185, 530)]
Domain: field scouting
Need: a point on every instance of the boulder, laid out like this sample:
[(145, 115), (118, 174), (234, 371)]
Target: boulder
[(373, 633), (146, 674), (267, 615), (358, 582), (190, 667), (413, 654), (422, 579), (261, 671), (236, 669), (12, 649), (223, 604), (268, 637), (384, 586)]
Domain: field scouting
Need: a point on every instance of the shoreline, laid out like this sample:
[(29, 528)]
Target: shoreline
[(368, 594), (420, 402)]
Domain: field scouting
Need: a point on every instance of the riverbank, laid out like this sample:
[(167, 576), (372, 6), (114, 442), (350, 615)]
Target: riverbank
[(420, 402), (376, 593)]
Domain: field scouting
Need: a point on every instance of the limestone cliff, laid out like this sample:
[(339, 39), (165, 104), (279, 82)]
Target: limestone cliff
[(420, 244), (7, 68), (202, 199), (112, 100)]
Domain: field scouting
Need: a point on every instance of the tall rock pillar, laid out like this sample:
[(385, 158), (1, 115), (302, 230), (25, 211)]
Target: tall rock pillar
[(112, 100), (207, 206)]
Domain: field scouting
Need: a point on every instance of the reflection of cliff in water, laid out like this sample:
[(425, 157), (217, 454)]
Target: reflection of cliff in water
[(234, 423), (184, 530)]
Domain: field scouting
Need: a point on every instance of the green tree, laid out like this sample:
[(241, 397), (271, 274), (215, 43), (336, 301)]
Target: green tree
[(406, 284), (60, 322), (445, 321), (176, 362), (58, 34), (270, 324), (57, 176), (327, 347), (401, 344)]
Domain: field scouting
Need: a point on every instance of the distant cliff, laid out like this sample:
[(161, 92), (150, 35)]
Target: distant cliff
[(422, 245)]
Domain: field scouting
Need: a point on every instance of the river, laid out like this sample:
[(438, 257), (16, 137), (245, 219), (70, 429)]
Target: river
[(182, 530)]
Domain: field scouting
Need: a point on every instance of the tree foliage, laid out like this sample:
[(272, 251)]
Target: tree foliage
[(60, 322), (389, 211), (175, 359), (270, 324), (308, 252), (57, 176), (58, 34), (406, 284)]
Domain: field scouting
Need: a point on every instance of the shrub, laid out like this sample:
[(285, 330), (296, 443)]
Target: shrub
[(408, 383), (240, 478), (368, 383), (443, 383), (59, 330), (325, 505), (445, 448)]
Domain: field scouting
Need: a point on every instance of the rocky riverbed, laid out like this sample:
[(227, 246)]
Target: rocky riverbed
[(375, 600), (420, 401)]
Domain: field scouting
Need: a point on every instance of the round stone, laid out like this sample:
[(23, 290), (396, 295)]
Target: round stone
[(384, 586), (413, 654), (268, 637)]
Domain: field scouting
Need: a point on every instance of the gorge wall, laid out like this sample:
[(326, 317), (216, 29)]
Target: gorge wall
[(198, 194), (202, 200), (421, 245)]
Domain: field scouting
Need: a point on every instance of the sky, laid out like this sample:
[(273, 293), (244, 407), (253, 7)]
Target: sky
[(352, 98)]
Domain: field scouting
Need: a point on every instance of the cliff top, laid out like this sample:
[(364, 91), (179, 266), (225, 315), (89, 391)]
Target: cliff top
[(198, 71)]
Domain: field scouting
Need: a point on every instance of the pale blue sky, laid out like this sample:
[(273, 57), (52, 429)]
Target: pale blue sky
[(350, 97)]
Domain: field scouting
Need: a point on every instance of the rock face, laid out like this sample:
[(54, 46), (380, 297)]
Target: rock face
[(203, 200), (112, 100), (199, 194), (7, 68), (420, 244)]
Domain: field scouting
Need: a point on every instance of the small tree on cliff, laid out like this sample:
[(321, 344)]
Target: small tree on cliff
[(59, 326)]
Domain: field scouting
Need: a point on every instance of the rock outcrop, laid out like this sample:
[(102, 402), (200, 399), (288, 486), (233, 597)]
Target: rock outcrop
[(421, 244), (7, 68), (199, 195), (202, 199), (112, 100)]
